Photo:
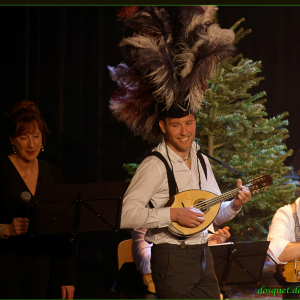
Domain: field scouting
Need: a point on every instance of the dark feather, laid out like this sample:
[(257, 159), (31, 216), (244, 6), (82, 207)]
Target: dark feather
[(166, 65)]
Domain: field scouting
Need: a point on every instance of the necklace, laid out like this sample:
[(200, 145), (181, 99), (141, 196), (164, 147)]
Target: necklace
[(187, 159)]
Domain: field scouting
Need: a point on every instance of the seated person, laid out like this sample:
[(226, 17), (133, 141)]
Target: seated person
[(284, 237), (141, 251)]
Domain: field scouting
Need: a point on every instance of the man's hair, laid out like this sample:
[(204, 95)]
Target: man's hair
[(164, 119)]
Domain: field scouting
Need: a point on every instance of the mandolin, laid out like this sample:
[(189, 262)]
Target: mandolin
[(209, 203), (290, 272)]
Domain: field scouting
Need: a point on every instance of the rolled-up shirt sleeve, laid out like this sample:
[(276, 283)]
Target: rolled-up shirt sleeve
[(280, 233), (225, 213), (144, 185)]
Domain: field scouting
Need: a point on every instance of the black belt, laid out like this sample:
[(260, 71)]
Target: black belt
[(166, 246)]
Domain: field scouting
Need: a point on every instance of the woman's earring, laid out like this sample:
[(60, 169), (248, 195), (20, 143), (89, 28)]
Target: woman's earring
[(42, 148), (14, 149)]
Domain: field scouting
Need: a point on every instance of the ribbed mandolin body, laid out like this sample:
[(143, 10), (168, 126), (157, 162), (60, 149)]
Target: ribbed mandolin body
[(188, 199), (210, 208), (290, 272)]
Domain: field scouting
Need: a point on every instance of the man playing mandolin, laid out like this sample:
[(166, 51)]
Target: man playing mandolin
[(161, 83), (181, 268)]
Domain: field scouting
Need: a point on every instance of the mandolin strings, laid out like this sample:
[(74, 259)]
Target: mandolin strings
[(213, 201), (226, 196)]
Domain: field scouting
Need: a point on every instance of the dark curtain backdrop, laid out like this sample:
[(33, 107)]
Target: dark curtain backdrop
[(58, 57)]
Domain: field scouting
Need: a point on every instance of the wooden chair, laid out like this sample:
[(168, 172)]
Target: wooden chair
[(125, 255), (124, 252)]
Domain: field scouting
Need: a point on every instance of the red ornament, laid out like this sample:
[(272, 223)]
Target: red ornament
[(127, 11), (203, 86), (200, 8)]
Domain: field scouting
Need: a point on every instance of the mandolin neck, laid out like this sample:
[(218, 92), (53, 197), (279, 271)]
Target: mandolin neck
[(219, 199)]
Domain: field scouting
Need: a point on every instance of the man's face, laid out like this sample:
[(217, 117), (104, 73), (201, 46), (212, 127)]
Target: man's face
[(179, 133)]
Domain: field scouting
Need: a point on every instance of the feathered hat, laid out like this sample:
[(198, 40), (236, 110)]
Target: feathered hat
[(165, 67)]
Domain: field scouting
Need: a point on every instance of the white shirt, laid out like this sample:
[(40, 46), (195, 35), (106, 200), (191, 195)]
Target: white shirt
[(282, 230), (150, 182)]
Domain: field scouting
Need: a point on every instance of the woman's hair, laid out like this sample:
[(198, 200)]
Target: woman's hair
[(22, 117)]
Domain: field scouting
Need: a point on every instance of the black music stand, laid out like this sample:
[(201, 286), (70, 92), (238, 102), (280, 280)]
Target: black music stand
[(74, 208), (239, 263)]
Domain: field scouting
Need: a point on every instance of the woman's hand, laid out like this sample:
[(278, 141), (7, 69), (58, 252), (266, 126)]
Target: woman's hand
[(16, 227), (67, 291)]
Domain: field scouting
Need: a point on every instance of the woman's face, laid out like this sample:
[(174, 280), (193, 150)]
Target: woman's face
[(28, 145)]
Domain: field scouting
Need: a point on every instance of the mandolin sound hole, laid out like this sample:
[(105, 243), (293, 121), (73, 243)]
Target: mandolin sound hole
[(198, 205)]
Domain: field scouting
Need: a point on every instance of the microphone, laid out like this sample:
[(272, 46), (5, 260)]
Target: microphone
[(25, 197)]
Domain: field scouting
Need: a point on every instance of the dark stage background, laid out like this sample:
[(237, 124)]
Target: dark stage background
[(58, 57)]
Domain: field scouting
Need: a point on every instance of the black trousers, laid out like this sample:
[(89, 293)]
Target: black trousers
[(184, 273)]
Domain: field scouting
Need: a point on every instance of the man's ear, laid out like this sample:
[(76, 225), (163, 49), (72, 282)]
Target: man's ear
[(162, 126)]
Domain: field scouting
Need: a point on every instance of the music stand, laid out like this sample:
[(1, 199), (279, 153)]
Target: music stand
[(220, 253), (75, 208), (239, 263)]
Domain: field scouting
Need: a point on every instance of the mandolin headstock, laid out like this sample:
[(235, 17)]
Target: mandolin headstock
[(260, 183)]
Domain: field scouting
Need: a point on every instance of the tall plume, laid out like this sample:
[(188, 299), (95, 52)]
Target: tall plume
[(164, 63)]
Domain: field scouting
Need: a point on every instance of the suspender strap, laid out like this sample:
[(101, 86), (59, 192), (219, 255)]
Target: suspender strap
[(297, 227), (203, 164), (173, 189)]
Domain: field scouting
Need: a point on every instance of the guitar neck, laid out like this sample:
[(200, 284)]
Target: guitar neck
[(216, 200)]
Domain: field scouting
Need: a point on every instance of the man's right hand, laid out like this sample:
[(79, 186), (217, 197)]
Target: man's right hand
[(16, 227), (187, 216)]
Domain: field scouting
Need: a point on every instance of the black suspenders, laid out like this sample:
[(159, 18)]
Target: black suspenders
[(173, 188), (203, 164)]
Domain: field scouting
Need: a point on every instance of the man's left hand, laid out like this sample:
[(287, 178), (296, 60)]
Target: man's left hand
[(67, 291), (242, 197)]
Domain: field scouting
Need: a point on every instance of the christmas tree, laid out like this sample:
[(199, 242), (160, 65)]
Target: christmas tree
[(232, 126)]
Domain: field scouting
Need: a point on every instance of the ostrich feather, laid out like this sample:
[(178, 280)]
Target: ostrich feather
[(200, 19), (165, 65), (206, 59), (155, 63), (150, 21)]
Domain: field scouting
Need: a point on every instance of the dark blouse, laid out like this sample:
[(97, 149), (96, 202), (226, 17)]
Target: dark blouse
[(32, 267)]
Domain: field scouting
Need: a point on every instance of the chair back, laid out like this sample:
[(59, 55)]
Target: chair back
[(124, 252)]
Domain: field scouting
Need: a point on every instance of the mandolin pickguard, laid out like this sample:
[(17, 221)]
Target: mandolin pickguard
[(188, 198)]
